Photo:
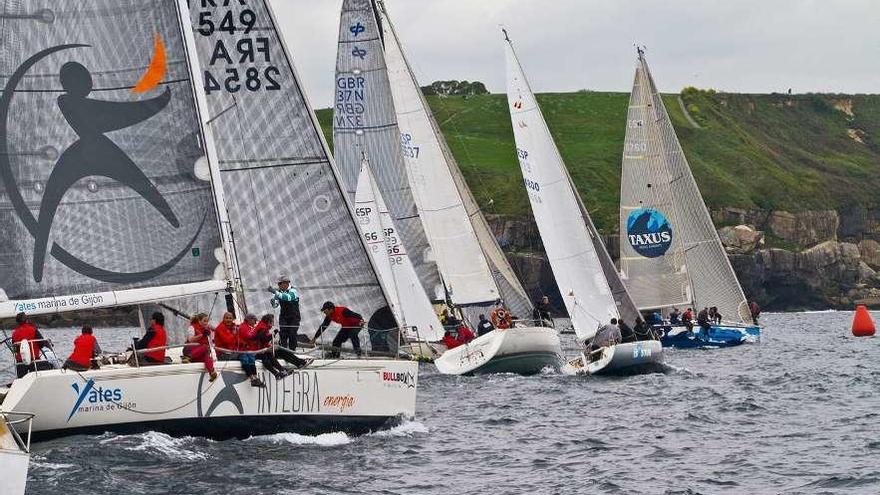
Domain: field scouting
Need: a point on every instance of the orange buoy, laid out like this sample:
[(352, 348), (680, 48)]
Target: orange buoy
[(863, 324)]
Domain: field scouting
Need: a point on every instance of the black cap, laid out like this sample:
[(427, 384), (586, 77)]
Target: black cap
[(327, 305)]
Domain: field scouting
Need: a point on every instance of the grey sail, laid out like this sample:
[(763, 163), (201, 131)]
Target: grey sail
[(670, 251), (364, 121), (287, 210), (100, 187)]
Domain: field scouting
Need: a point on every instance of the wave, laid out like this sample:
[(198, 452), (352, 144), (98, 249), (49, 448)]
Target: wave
[(405, 429), (161, 443), (333, 439)]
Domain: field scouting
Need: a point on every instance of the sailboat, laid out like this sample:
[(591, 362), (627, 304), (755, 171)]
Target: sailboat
[(409, 303), (216, 144), (590, 286), (670, 253), (15, 452), (472, 268)]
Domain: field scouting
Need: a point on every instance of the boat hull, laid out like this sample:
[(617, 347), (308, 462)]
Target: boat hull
[(354, 396), (624, 359), (13, 463), (520, 350), (719, 336)]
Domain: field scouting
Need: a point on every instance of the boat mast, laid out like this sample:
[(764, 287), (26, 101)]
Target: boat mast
[(235, 296)]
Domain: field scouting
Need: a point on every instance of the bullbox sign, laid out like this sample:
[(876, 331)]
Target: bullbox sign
[(648, 232)]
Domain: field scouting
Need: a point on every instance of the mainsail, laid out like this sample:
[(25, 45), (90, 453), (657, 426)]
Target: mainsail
[(364, 122), (670, 253), (569, 237), (287, 210), (473, 267), (409, 302), (104, 200)]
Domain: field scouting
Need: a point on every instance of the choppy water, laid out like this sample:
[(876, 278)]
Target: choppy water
[(798, 413)]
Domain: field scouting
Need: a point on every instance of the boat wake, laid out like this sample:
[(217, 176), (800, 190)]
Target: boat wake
[(158, 443), (333, 439), (406, 428)]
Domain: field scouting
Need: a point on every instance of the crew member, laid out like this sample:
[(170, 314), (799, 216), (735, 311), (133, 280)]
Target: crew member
[(226, 338), (264, 329), (484, 326), (85, 349), (755, 310), (688, 319), (501, 318), (25, 330), (703, 320), (199, 350), (675, 317), (626, 333), (465, 334), (287, 298), (351, 323), (450, 340), (541, 313), (153, 338), (251, 346), (608, 335), (714, 315)]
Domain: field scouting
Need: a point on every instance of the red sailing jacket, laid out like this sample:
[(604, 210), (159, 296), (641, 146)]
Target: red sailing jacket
[(465, 334), (264, 333), (159, 340), (26, 331), (345, 321), (201, 332), (225, 337), (248, 337), (83, 350), (450, 342)]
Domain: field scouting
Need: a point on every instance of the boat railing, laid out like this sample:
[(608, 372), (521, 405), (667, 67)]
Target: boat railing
[(12, 419), (532, 322)]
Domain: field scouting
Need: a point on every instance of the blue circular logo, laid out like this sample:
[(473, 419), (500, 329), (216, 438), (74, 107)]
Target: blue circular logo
[(648, 232)]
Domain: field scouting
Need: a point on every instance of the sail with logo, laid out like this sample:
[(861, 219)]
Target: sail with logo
[(591, 291), (364, 122), (408, 300), (106, 198), (474, 269), (257, 135), (670, 253), (287, 209)]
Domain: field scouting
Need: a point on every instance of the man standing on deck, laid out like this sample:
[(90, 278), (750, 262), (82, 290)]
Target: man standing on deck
[(289, 317), (350, 322)]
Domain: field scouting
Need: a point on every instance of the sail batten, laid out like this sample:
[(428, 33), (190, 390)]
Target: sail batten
[(670, 251)]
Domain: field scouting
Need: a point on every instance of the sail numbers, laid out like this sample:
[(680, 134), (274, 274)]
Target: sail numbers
[(406, 143), (350, 101), (239, 61)]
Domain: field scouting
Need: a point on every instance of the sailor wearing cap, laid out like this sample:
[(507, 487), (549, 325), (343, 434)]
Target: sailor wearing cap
[(287, 298)]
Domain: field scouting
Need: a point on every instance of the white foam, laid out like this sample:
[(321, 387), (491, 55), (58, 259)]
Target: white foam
[(404, 429), (323, 440), (164, 444)]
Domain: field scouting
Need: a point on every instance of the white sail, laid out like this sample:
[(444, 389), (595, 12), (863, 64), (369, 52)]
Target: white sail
[(561, 223), (456, 249), (367, 212), (669, 249)]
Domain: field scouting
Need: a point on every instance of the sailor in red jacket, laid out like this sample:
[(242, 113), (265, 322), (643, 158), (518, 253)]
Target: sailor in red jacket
[(449, 340), (351, 323), (155, 337), (25, 330), (264, 334), (198, 350), (226, 337), (465, 334), (85, 347)]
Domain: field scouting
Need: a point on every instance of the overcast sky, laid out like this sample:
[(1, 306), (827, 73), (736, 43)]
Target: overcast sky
[(756, 46)]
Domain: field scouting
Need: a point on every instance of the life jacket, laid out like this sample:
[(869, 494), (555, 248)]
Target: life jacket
[(248, 337), (465, 334), (83, 350), (225, 337), (501, 319), (159, 339), (201, 332), (345, 321), (26, 331), (450, 342)]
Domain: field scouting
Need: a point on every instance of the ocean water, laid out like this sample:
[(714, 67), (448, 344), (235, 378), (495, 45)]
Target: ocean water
[(798, 413)]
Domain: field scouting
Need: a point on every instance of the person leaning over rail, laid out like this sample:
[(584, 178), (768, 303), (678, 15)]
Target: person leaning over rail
[(263, 330), (154, 338), (85, 350), (26, 330), (351, 323), (198, 349)]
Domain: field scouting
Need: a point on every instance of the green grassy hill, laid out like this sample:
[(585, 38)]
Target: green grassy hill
[(752, 151)]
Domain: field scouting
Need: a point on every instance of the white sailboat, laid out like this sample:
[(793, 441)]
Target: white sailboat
[(670, 253), (15, 452), (251, 145), (473, 269), (589, 285), (408, 300)]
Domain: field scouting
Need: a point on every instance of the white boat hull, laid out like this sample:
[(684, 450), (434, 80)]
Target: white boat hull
[(522, 350), (355, 396), (14, 466), (628, 358)]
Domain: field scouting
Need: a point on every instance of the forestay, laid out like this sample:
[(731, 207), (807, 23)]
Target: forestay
[(561, 222), (287, 210), (409, 302), (104, 197), (364, 122), (670, 251)]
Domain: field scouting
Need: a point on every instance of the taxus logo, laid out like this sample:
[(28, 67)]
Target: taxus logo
[(403, 378), (88, 393), (648, 232)]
